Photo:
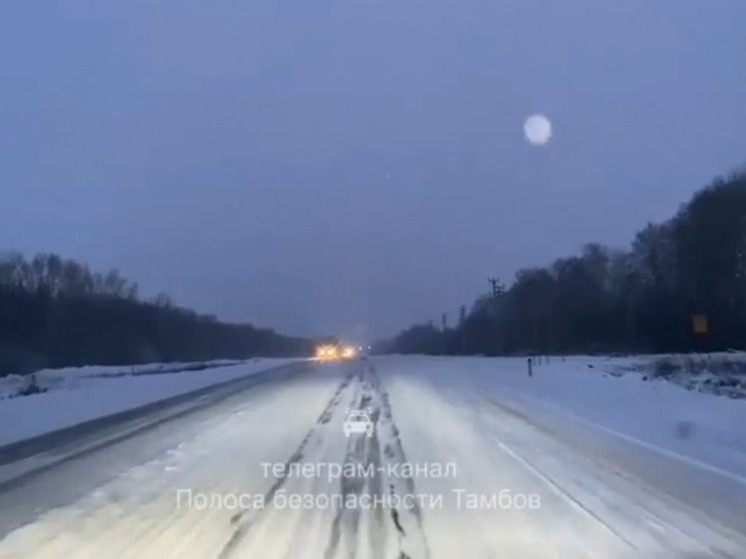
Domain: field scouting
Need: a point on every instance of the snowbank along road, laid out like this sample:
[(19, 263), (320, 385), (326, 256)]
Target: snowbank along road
[(372, 459)]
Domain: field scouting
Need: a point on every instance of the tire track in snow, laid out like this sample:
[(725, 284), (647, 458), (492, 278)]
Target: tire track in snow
[(242, 520), (409, 521), (365, 453), (362, 452), (373, 459)]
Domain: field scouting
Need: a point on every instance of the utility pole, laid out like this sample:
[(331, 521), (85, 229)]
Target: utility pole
[(462, 336), (498, 290), (444, 321)]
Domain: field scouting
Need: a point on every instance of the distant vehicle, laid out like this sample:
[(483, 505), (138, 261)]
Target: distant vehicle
[(335, 352), (327, 353), (358, 422)]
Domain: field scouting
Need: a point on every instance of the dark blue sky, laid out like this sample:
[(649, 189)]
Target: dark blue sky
[(318, 166)]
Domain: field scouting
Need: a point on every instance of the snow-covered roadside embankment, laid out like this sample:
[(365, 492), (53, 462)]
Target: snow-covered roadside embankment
[(722, 373), (44, 380), (92, 396)]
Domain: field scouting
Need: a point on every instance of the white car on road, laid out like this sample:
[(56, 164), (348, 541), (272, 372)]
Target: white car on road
[(358, 422)]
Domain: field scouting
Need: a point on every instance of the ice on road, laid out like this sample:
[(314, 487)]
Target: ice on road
[(448, 470)]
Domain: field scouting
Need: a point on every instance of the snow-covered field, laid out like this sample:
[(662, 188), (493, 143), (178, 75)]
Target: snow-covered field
[(469, 457), (78, 395)]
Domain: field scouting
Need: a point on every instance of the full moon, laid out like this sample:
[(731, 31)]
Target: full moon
[(538, 129)]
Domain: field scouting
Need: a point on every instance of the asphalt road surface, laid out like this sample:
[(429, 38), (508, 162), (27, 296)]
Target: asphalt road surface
[(272, 468)]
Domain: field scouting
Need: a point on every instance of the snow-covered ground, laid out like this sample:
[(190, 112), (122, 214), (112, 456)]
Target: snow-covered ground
[(78, 395), (467, 458), (68, 377), (717, 373), (609, 394)]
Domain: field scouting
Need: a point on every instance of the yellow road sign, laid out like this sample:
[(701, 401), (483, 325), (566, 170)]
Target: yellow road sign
[(699, 324)]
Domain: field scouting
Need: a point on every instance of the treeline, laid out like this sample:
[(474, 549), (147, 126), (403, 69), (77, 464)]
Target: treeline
[(641, 299), (55, 312)]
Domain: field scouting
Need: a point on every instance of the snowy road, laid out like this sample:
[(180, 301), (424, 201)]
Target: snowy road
[(449, 470)]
